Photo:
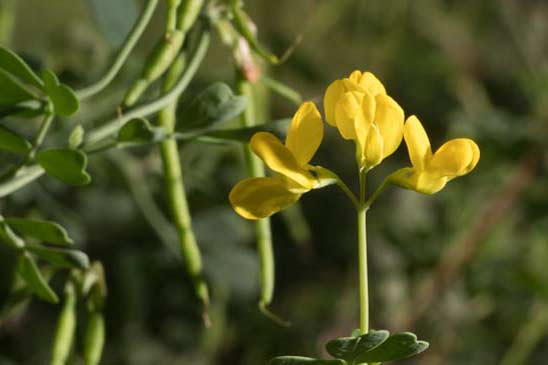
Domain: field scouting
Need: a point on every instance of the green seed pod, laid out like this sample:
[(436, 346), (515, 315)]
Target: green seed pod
[(188, 13), (163, 55), (94, 339), (66, 326)]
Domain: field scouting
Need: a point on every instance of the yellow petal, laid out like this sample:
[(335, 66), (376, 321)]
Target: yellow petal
[(419, 181), (260, 197), (332, 96), (305, 133), (418, 144), (373, 151), (372, 84), (389, 118), (355, 76), (280, 159), (456, 157), (364, 118), (346, 111)]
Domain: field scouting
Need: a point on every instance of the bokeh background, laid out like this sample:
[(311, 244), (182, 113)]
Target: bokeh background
[(466, 269)]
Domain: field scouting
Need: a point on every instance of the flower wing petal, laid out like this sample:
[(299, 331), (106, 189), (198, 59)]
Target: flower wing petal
[(374, 146), (334, 92), (418, 144), (260, 197), (372, 84), (305, 133), (389, 118), (280, 159), (456, 157)]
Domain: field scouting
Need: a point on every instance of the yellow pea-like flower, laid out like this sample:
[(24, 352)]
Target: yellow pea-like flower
[(431, 171), (260, 197), (360, 109)]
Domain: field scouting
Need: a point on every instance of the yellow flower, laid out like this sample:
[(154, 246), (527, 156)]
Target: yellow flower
[(431, 171), (260, 197), (362, 111)]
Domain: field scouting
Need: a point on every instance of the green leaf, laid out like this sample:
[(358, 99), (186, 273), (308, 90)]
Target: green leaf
[(45, 231), (299, 360), (216, 104), (349, 348), (13, 91), (138, 131), (9, 237), (65, 164), (396, 347), (61, 257), (15, 65), (30, 272), (63, 98), (12, 142)]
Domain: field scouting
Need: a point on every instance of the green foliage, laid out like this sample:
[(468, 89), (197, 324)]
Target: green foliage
[(349, 348), (299, 360), (139, 131), (61, 257), (14, 65), (216, 104), (65, 164), (29, 271), (64, 99), (13, 91), (44, 231), (12, 142)]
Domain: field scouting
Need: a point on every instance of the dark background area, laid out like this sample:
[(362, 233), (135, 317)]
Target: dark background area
[(466, 269)]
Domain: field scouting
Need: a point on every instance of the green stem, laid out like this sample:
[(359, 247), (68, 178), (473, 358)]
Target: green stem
[(123, 54), (113, 125), (180, 18), (23, 177), (282, 90), (255, 168), (175, 190), (66, 326), (7, 20), (377, 192), (44, 128), (362, 260)]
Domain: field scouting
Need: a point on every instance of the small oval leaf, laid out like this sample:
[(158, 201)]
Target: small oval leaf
[(396, 347), (9, 237), (65, 164), (42, 230), (15, 65), (216, 104), (32, 275), (138, 130), (13, 91), (349, 348), (61, 257), (63, 97), (12, 142), (299, 360)]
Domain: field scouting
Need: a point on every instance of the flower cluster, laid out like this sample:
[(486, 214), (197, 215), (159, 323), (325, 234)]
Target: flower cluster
[(362, 111)]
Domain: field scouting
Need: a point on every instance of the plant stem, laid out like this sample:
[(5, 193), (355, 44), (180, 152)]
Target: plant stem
[(123, 54), (362, 258), (7, 20), (255, 168), (44, 128), (175, 189), (112, 125)]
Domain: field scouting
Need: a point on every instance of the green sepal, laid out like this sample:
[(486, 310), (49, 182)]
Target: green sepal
[(214, 105), (12, 142), (13, 91), (13, 64), (61, 257), (299, 360), (396, 347), (34, 279), (42, 230), (349, 348), (65, 164), (63, 97)]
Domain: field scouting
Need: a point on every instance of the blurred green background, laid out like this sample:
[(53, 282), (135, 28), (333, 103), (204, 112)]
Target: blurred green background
[(465, 269)]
